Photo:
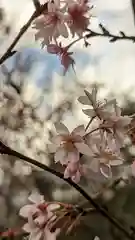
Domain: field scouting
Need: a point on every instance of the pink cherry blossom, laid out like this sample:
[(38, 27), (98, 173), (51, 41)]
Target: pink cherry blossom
[(74, 170), (39, 215), (51, 24), (78, 16), (104, 156), (67, 146), (62, 52)]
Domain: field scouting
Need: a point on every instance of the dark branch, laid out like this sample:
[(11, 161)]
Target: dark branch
[(36, 4), (7, 150), (36, 13), (106, 33)]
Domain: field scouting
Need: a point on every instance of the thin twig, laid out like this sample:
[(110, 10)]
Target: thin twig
[(39, 10), (106, 33), (36, 13), (7, 150), (89, 123)]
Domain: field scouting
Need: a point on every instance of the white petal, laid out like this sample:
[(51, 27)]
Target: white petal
[(118, 110), (57, 3), (106, 171), (96, 238), (60, 155), (110, 102), (83, 148), (27, 228), (119, 138), (73, 156), (61, 128), (76, 177), (36, 234), (52, 148), (125, 121), (24, 211), (94, 94), (57, 140), (84, 100), (35, 197), (32, 222), (80, 130), (51, 236), (41, 219), (116, 162), (89, 95), (104, 114), (89, 112), (66, 173)]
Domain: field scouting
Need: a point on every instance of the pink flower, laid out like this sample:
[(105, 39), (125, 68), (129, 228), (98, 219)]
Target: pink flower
[(78, 17), (62, 52), (39, 215), (51, 25), (74, 170), (67, 146)]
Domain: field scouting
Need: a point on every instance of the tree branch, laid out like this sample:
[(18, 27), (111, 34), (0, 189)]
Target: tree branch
[(7, 150), (36, 13), (36, 4), (106, 33)]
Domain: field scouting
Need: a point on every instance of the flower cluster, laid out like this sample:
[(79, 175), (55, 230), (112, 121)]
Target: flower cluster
[(47, 219), (61, 15), (67, 147), (40, 215), (101, 146), (61, 18)]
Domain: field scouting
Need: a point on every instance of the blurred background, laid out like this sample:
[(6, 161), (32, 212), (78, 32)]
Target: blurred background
[(34, 95)]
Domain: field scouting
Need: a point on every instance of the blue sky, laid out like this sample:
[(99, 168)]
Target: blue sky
[(101, 62)]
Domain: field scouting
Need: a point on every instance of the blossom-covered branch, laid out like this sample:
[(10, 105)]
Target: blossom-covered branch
[(86, 150), (75, 24), (7, 150), (106, 33)]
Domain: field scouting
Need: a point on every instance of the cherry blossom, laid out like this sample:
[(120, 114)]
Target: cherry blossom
[(51, 24), (78, 17), (74, 170), (62, 52), (39, 215), (104, 157), (101, 110), (67, 146)]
